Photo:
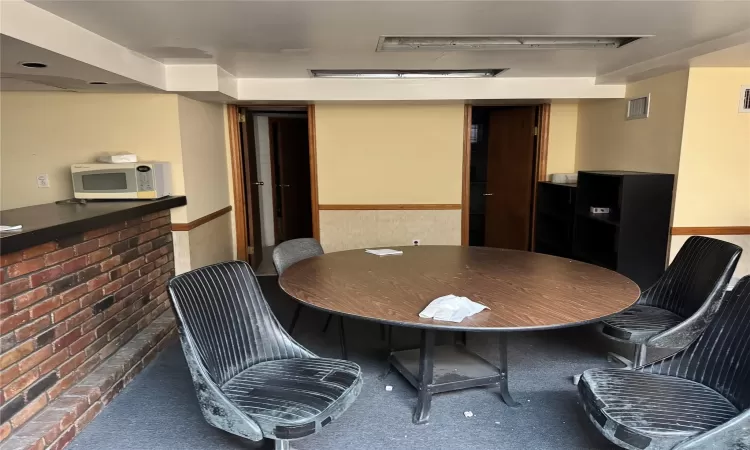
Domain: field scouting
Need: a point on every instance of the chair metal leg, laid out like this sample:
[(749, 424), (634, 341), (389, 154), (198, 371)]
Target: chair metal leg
[(503, 367), (619, 359), (294, 318), (342, 336), (640, 356), (328, 322), (282, 444), (424, 394)]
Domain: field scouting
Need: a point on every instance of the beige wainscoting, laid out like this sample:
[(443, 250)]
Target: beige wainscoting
[(201, 243), (345, 230), (743, 268)]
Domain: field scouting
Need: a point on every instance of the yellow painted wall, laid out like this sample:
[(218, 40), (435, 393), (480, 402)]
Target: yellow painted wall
[(561, 146), (389, 153), (713, 184), (46, 132), (204, 158), (605, 140)]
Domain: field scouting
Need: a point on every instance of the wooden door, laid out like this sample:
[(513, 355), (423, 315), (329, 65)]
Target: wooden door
[(510, 178), (252, 193), (291, 147)]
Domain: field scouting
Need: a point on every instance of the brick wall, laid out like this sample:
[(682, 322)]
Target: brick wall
[(65, 306)]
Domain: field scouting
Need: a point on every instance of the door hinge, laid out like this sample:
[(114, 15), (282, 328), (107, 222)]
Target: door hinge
[(242, 117), (251, 250), (536, 131)]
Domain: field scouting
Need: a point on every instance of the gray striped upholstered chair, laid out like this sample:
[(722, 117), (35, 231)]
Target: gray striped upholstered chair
[(290, 252), (677, 308), (252, 379), (698, 398)]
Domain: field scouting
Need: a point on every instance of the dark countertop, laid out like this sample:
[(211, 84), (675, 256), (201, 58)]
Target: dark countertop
[(50, 221)]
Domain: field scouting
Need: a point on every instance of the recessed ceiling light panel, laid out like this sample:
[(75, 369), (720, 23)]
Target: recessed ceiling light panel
[(32, 65), (395, 74), (494, 43)]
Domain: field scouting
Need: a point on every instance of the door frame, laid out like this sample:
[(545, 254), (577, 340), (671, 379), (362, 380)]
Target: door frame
[(540, 165), (237, 174)]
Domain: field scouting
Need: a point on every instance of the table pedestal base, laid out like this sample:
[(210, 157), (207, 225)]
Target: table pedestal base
[(432, 370)]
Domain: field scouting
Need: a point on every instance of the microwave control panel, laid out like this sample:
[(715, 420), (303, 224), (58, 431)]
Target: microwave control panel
[(144, 178)]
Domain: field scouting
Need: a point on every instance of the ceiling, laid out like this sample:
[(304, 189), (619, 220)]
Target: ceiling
[(287, 38), (250, 50), (66, 74)]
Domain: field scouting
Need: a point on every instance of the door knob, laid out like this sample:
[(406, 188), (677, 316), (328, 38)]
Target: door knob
[(258, 183), (487, 195)]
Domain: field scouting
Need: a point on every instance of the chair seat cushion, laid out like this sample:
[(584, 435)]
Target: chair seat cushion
[(639, 323), (293, 398), (640, 410)]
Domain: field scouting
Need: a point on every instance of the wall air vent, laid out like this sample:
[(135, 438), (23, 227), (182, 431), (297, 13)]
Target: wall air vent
[(745, 99), (389, 74), (638, 107), (490, 43)]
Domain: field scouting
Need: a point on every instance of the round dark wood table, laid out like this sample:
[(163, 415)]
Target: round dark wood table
[(523, 291)]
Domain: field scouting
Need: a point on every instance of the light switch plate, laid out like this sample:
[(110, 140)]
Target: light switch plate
[(42, 180)]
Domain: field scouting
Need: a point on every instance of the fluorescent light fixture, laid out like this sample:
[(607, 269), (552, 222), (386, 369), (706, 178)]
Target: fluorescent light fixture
[(391, 74), (489, 43)]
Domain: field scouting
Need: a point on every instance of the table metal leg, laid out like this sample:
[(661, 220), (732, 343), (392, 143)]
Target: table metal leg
[(342, 336), (424, 394), (503, 367), (328, 322), (294, 318)]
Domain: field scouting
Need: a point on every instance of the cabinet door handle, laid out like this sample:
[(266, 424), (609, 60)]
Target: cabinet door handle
[(258, 183)]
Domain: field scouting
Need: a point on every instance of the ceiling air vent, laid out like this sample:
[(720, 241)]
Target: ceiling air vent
[(497, 42), (638, 107), (745, 99), (390, 74)]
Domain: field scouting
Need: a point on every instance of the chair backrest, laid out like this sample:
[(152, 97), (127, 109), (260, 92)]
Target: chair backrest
[(290, 252), (720, 358), (222, 311), (698, 274)]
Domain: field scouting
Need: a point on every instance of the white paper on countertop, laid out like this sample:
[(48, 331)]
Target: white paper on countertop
[(450, 308), (384, 251)]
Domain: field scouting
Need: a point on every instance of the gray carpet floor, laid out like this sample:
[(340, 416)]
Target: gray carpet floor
[(158, 410)]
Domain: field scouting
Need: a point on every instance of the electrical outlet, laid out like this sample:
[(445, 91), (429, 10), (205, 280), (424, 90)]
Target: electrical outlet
[(416, 242), (42, 180)]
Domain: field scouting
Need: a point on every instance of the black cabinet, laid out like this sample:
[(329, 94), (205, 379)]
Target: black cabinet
[(555, 209), (633, 237)]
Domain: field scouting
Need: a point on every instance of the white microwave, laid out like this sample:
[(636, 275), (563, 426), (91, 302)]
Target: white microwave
[(139, 180)]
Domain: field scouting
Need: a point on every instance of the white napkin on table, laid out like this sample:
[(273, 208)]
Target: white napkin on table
[(451, 308), (384, 252)]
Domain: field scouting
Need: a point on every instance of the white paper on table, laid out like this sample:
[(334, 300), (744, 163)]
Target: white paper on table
[(384, 252), (450, 308)]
